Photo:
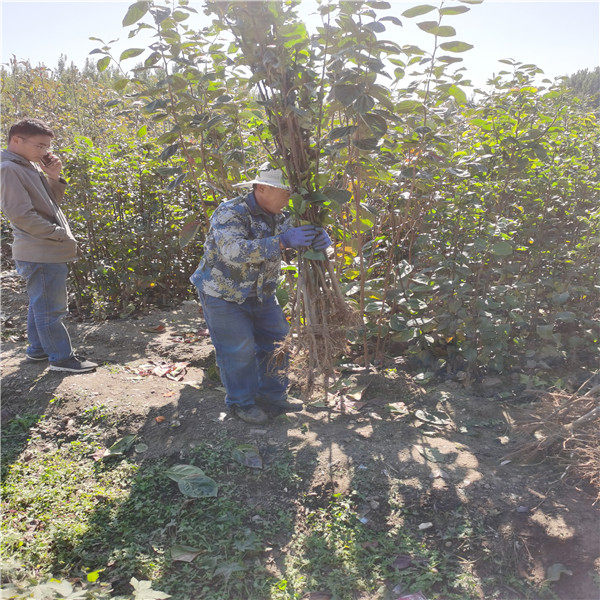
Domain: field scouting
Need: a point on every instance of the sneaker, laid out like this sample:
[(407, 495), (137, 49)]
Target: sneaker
[(282, 407), (36, 358), (251, 414), (73, 364)]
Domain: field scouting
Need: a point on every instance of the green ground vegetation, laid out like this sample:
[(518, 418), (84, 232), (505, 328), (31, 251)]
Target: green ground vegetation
[(70, 515)]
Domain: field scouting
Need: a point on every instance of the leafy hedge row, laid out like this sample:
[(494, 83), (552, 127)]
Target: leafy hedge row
[(471, 238)]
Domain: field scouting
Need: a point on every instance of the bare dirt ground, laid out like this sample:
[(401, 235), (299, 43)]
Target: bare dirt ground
[(532, 518)]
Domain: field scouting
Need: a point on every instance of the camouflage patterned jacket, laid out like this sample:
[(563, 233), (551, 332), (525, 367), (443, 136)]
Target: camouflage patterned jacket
[(242, 256)]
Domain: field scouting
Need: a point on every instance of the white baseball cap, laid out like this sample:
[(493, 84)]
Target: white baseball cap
[(267, 176)]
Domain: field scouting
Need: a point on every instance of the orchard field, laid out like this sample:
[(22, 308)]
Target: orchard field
[(455, 450)]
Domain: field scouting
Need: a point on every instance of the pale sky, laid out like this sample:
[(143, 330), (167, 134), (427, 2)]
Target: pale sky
[(560, 37)]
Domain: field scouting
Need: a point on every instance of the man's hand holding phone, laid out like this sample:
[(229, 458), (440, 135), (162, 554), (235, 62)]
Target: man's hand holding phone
[(51, 165)]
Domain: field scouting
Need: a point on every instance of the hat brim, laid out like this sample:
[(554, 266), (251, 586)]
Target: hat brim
[(258, 181)]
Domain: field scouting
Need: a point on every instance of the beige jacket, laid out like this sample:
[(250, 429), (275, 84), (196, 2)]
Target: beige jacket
[(30, 202)]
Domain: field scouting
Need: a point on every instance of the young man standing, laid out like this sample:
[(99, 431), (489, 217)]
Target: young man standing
[(43, 243), (236, 281)]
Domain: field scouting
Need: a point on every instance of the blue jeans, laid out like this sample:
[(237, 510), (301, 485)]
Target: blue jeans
[(47, 291), (245, 336)]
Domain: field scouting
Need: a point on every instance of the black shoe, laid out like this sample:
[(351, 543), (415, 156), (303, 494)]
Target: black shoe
[(251, 414), (281, 407), (36, 358), (73, 364)]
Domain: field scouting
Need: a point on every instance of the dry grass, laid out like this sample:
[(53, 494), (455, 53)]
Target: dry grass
[(567, 425)]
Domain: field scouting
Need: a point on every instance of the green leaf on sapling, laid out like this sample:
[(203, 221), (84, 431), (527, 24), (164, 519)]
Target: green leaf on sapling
[(135, 12)]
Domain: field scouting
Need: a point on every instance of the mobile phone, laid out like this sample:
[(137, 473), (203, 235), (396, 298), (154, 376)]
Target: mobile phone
[(47, 159)]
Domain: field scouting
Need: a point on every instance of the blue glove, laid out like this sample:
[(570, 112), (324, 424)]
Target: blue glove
[(322, 240), (297, 237)]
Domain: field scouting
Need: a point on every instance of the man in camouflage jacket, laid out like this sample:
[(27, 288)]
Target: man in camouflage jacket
[(236, 281)]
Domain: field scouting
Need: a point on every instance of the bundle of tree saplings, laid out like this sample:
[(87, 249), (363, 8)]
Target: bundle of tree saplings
[(274, 48)]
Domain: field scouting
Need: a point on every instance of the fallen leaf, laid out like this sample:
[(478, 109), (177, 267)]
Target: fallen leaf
[(122, 445), (142, 590), (178, 472), (156, 329), (403, 561), (426, 428), (356, 392), (370, 545), (431, 454), (248, 455), (192, 481), (168, 394), (159, 419), (345, 405), (428, 417), (184, 553), (398, 408)]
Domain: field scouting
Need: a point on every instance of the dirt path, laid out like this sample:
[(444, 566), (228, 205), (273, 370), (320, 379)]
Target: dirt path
[(527, 518)]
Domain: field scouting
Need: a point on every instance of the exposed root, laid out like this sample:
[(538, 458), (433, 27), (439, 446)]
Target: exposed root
[(320, 324)]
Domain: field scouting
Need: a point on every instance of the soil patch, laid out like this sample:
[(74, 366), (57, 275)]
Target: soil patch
[(410, 457)]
